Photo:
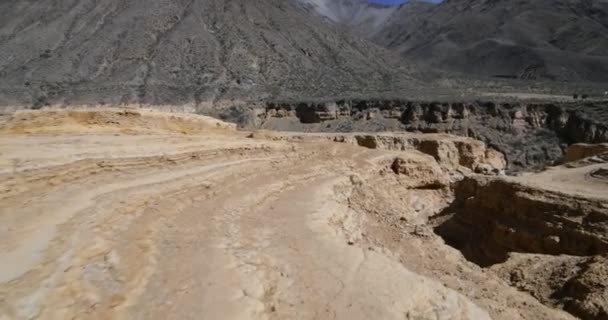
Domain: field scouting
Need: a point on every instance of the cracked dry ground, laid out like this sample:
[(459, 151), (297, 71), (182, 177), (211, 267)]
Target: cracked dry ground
[(135, 215)]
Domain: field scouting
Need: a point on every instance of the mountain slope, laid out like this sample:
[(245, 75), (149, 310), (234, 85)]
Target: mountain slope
[(551, 39), (182, 51)]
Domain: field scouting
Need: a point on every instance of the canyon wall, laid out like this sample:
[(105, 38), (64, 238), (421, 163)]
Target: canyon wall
[(530, 135)]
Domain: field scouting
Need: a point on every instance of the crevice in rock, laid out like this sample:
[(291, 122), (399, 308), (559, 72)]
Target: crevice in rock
[(549, 244), (491, 218)]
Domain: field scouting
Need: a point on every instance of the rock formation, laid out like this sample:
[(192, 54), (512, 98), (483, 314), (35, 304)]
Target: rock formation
[(544, 233), (496, 216), (450, 152), (530, 134)]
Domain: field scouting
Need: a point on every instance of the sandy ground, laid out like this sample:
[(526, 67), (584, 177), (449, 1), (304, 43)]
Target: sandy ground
[(160, 223), (581, 181)]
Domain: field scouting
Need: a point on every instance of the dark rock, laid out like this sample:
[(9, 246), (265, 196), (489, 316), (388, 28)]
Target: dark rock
[(531, 135)]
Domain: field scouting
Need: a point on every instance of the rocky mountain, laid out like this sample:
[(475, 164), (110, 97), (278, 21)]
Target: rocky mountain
[(179, 52), (549, 39), (563, 40)]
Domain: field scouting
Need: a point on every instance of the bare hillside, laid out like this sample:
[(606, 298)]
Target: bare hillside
[(565, 40), (176, 52)]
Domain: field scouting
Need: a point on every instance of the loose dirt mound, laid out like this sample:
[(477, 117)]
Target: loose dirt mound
[(577, 284), (124, 121), (162, 224)]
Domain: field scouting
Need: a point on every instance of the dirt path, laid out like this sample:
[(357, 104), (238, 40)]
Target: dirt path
[(582, 181), (216, 225), (232, 235)]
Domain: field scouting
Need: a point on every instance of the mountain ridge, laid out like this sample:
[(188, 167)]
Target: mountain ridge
[(561, 40), (175, 52)]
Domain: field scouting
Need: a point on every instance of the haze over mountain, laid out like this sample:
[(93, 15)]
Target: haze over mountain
[(564, 40), (361, 16), (182, 51), (551, 39)]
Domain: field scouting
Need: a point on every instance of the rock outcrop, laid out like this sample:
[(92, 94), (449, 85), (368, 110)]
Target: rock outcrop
[(419, 172), (450, 152), (548, 239), (530, 135), (495, 216)]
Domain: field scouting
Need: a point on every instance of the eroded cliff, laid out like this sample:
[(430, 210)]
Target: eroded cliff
[(530, 134)]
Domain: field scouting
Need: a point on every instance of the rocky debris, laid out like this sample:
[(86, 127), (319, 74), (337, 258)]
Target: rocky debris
[(469, 153), (576, 284), (586, 294), (419, 172), (593, 160), (487, 169), (530, 135)]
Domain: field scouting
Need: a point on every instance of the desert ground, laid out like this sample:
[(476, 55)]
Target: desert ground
[(134, 214), (304, 159)]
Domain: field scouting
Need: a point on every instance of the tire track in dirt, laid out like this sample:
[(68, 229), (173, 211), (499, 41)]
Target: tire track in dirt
[(215, 225), (269, 252), (52, 213)]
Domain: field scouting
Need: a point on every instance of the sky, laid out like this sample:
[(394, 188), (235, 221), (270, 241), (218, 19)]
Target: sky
[(389, 2)]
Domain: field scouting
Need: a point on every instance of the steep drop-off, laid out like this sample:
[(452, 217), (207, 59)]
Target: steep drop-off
[(531, 135), (544, 233)]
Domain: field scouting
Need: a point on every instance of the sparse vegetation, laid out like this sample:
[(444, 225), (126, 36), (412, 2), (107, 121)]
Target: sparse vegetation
[(46, 54), (39, 103)]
